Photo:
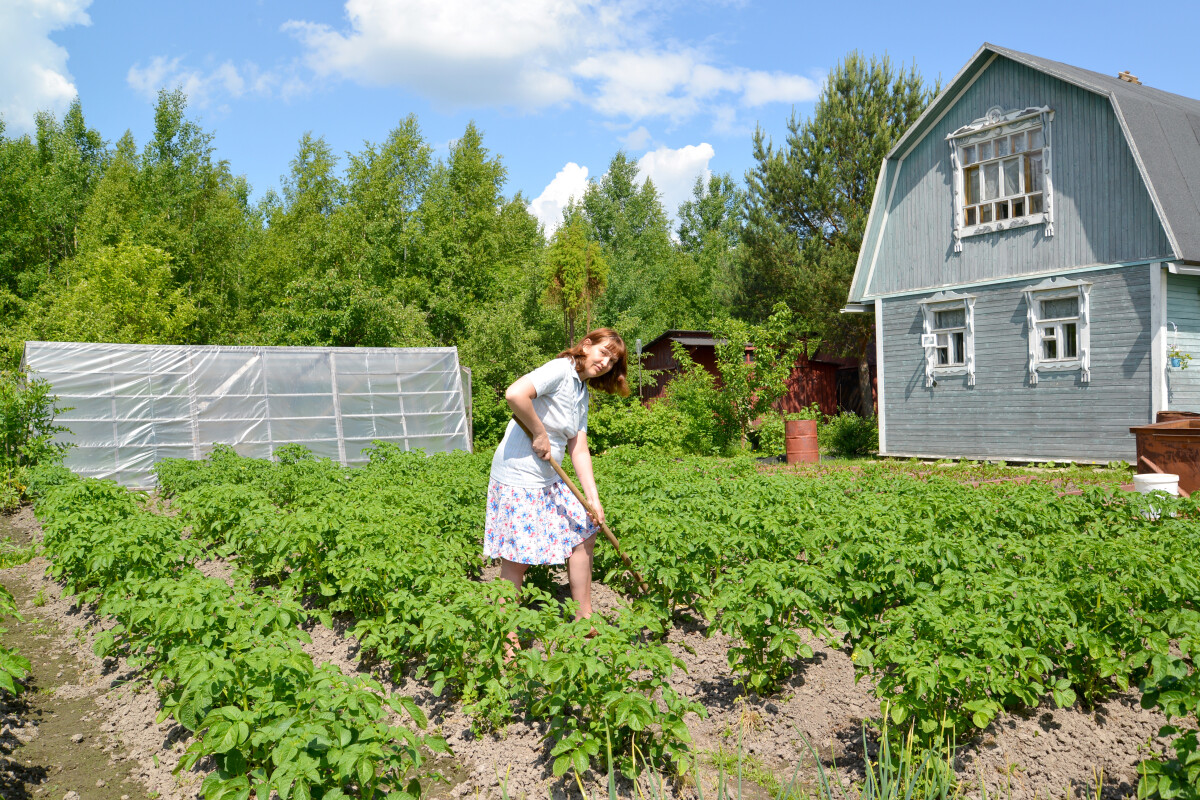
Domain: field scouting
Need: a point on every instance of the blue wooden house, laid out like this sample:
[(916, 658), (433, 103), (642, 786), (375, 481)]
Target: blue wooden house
[(1032, 259)]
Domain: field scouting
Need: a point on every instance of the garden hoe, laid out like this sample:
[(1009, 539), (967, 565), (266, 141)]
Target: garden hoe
[(603, 526)]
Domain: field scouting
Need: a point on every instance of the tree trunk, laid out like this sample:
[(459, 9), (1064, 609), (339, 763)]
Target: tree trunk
[(866, 405)]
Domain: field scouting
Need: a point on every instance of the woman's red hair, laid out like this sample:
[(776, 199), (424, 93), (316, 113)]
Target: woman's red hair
[(613, 381)]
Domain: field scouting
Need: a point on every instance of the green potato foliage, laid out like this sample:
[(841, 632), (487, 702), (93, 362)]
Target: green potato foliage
[(227, 661), (960, 591), (13, 666)]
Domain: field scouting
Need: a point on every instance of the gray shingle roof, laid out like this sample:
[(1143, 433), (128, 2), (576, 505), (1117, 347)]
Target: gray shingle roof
[(1163, 131)]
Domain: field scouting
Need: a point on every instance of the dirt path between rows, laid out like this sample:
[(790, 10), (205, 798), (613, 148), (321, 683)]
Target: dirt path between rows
[(85, 730)]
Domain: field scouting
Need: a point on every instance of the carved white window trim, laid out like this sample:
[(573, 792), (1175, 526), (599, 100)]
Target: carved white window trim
[(1053, 289), (996, 123), (946, 301)]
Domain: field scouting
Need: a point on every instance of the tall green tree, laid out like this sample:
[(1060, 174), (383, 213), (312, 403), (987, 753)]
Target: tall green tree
[(808, 200), (23, 258), (710, 232), (754, 362), (113, 214), (383, 190), (475, 245), (293, 241), (124, 293), (194, 208), (45, 184), (576, 274), (71, 158), (338, 311), (628, 220)]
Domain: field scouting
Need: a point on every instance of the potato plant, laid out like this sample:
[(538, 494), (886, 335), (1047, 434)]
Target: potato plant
[(227, 661), (959, 594), (14, 667)]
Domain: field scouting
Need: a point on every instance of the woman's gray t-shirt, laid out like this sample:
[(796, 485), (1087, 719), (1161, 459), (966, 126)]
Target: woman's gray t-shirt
[(562, 405)]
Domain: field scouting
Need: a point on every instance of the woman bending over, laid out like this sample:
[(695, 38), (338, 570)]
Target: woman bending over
[(532, 517)]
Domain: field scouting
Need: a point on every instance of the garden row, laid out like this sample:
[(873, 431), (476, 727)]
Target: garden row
[(226, 661), (958, 603)]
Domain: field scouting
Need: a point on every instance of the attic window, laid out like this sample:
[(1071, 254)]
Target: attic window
[(1002, 173)]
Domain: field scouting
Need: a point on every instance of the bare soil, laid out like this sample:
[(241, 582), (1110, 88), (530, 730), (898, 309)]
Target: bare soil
[(86, 726)]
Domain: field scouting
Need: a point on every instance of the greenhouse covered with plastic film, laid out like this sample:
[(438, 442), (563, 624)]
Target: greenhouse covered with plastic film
[(129, 406)]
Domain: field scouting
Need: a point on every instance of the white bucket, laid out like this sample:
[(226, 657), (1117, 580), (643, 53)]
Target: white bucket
[(1156, 482)]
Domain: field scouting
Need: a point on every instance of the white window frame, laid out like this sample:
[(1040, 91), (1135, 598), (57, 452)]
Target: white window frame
[(931, 338), (995, 124), (1057, 290)]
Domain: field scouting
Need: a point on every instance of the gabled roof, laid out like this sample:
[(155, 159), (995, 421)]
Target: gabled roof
[(1162, 129)]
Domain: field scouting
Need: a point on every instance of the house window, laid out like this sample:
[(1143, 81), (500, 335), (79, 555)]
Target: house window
[(950, 328), (1003, 177), (1002, 173), (1058, 329), (949, 336), (1058, 315)]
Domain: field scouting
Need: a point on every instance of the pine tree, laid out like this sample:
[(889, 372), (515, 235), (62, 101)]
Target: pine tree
[(809, 200)]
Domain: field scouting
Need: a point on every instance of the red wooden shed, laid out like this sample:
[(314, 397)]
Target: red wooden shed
[(829, 381)]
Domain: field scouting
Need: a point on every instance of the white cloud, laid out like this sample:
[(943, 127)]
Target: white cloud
[(504, 52), (637, 139), (204, 88), (530, 54), (639, 85), (33, 69), (570, 183), (681, 84), (760, 88), (674, 172)]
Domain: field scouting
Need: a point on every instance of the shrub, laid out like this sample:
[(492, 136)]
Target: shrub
[(767, 436), (489, 416), (712, 427), (615, 422), (848, 434), (27, 411), (27, 429)]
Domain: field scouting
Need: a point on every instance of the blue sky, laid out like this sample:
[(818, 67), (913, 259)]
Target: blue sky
[(557, 87)]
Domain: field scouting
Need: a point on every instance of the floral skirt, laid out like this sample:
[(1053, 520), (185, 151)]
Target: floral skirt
[(534, 526)]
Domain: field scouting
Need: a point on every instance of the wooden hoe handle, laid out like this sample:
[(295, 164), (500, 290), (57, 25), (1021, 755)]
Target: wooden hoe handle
[(562, 473)]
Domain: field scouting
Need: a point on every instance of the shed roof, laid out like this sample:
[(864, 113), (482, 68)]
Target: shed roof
[(706, 339), (1162, 129), (689, 338)]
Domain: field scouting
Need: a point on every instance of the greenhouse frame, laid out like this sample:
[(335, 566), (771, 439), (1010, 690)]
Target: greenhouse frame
[(129, 406)]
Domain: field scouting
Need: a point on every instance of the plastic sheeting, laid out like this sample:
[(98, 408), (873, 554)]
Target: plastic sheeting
[(133, 405)]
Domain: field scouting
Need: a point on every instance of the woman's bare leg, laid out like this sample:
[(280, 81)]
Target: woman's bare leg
[(579, 573), (514, 573)]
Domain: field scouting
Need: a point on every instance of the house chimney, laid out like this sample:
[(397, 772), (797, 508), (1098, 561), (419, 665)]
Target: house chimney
[(1128, 78)]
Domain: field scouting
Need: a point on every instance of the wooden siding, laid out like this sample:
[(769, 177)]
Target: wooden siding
[(1002, 416), (1183, 308), (1102, 211)]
